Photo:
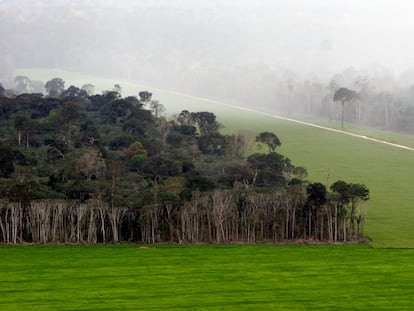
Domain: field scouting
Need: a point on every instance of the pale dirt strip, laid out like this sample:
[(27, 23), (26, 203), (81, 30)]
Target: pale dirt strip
[(297, 121)]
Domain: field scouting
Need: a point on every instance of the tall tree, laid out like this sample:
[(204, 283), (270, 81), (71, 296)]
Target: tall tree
[(55, 87), (157, 107), (206, 122), (343, 96), (270, 139)]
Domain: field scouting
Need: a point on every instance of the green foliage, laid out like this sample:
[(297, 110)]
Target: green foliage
[(316, 194), (55, 87), (9, 158), (200, 183), (108, 149), (213, 144), (136, 162), (270, 139), (206, 122)]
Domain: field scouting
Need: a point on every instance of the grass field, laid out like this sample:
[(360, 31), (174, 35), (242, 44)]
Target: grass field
[(207, 277), (387, 171)]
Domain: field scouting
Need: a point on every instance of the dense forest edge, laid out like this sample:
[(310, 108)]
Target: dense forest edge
[(80, 167)]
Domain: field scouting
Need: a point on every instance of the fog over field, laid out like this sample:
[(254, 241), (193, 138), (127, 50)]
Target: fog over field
[(231, 49)]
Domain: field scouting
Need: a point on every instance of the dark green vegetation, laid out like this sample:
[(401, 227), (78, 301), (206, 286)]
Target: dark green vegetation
[(254, 277), (77, 167)]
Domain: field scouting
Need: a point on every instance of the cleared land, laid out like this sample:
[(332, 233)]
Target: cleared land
[(328, 156), (208, 277)]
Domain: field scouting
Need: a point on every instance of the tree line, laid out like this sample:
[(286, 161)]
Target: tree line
[(79, 167)]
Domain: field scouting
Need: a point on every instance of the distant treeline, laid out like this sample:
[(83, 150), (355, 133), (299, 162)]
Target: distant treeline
[(78, 167)]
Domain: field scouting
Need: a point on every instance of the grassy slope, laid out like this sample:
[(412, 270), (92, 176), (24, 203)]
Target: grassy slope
[(255, 277), (387, 171)]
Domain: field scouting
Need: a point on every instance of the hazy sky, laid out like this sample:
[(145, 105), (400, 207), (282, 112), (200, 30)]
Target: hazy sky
[(309, 36)]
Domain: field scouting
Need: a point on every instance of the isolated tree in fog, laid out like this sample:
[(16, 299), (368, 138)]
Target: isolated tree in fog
[(343, 96), (55, 87), (157, 108)]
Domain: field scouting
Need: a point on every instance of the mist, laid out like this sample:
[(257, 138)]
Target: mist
[(237, 50)]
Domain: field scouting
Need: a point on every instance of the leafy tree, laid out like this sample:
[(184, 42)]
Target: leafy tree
[(271, 161), (8, 158), (136, 162), (70, 112), (120, 142), (317, 196), (135, 148), (145, 97), (134, 126), (24, 126), (185, 118), (214, 144), (206, 122), (270, 179), (159, 166), (23, 191), (350, 194), (89, 133), (270, 139), (200, 183), (8, 106), (55, 87), (358, 192), (343, 96)]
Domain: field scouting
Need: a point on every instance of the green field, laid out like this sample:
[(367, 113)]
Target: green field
[(208, 277)]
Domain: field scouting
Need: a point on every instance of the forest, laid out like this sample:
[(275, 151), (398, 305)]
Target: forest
[(81, 167)]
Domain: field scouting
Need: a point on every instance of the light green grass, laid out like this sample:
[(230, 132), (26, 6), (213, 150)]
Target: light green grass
[(209, 277), (387, 171)]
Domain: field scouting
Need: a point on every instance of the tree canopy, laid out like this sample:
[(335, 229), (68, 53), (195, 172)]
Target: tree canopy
[(83, 167)]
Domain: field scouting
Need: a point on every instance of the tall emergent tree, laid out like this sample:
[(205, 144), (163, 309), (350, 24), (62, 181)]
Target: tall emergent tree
[(343, 96), (55, 87)]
